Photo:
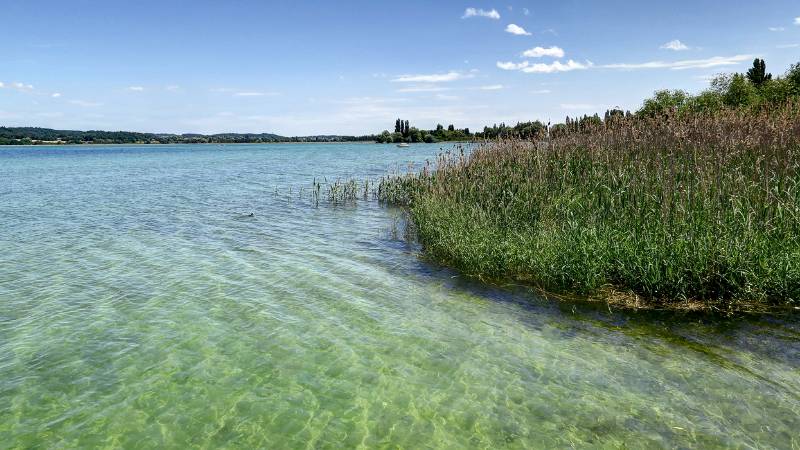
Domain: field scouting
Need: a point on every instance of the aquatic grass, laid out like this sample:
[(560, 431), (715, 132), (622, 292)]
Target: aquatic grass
[(669, 209), (342, 191)]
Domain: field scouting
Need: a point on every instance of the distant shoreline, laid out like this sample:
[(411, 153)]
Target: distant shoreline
[(218, 144)]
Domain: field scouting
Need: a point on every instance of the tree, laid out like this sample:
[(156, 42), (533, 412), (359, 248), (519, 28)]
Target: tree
[(406, 129), (708, 101), (397, 126), (663, 102), (793, 78), (451, 127), (740, 92), (757, 75)]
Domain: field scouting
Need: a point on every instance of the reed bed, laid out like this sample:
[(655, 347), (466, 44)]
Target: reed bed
[(668, 210)]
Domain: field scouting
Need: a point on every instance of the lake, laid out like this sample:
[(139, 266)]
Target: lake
[(141, 307)]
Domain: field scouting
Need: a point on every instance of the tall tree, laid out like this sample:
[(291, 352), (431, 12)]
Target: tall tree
[(406, 129), (398, 126), (758, 73)]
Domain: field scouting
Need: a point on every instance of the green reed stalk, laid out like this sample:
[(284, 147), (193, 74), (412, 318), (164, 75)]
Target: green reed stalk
[(700, 208)]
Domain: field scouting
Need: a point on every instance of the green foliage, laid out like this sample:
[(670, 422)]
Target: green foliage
[(708, 101), (755, 89), (793, 79), (523, 130), (404, 132), (664, 102), (740, 92), (703, 207)]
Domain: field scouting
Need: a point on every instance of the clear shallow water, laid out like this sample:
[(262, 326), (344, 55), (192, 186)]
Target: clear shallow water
[(140, 309)]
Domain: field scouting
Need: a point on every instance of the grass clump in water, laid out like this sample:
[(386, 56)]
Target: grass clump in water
[(678, 208)]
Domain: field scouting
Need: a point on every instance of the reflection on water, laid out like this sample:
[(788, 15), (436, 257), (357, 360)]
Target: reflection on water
[(140, 306)]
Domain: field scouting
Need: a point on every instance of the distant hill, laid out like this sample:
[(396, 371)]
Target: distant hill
[(40, 136)]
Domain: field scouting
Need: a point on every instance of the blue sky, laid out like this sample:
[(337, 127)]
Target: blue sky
[(352, 67)]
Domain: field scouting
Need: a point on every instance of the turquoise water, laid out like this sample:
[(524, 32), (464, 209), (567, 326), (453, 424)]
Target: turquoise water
[(140, 307)]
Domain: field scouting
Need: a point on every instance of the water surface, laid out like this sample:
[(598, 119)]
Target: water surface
[(140, 307)]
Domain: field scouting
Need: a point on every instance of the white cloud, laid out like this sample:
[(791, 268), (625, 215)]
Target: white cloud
[(704, 78), (447, 97), (473, 12), (55, 95), (512, 66), (432, 78), (797, 20), (18, 86), (538, 52), (674, 45), (491, 87), (254, 94), (715, 61), (556, 66), (517, 30), (85, 104), (787, 46), (135, 88), (541, 91), (776, 29), (423, 88)]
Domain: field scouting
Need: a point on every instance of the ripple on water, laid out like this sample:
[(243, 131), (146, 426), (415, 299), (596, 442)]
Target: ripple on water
[(138, 308)]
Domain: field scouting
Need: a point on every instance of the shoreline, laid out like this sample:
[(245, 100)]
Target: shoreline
[(388, 144)]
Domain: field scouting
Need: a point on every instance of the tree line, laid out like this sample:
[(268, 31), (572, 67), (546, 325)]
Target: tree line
[(35, 135), (403, 132), (752, 89)]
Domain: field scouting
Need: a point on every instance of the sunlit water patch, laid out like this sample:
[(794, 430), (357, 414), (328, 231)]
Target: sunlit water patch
[(141, 306)]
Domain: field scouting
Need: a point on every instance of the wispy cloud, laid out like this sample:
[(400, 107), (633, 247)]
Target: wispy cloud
[(715, 61), (517, 30), (423, 88), (512, 65), (172, 87), (85, 104), (674, 45), (704, 78), (797, 20), (135, 88), (431, 78), (491, 87), (787, 46), (538, 52), (447, 97), (55, 95), (17, 86), (776, 29), (541, 91), (254, 94), (555, 66), (477, 12)]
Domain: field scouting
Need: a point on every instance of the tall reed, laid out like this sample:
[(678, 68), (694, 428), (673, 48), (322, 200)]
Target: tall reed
[(675, 208)]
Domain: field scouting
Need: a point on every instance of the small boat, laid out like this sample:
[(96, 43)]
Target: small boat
[(402, 145)]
